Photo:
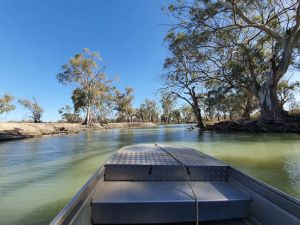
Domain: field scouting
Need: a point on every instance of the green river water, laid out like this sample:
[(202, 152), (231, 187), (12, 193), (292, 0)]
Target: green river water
[(39, 176)]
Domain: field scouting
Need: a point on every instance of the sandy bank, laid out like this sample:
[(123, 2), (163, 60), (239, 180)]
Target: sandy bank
[(27, 130)]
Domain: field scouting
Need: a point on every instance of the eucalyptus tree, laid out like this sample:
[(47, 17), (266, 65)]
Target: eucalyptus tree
[(34, 108), (271, 25), (238, 101), (168, 103), (104, 110), (150, 109), (217, 103), (83, 70), (187, 113), (141, 113), (176, 115), (68, 115), (147, 111), (6, 103), (186, 72), (286, 91), (123, 104), (104, 102)]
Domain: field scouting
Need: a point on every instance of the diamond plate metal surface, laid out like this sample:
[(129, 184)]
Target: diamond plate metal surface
[(152, 163)]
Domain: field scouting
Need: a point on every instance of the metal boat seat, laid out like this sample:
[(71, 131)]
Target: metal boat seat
[(124, 202)]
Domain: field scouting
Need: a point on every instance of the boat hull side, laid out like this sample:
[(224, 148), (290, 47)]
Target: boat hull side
[(269, 206)]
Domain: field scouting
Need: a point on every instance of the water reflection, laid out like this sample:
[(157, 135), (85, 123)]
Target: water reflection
[(38, 176)]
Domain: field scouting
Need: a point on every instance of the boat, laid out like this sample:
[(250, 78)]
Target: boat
[(164, 184)]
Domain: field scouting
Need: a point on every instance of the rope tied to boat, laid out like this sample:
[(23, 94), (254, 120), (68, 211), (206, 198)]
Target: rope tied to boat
[(186, 172)]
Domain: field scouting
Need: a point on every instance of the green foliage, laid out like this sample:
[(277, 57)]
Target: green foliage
[(186, 71), (123, 104), (35, 109), (187, 113), (148, 111), (235, 44), (5, 103), (171, 8), (82, 69), (176, 115), (80, 99), (69, 115), (168, 102), (286, 91)]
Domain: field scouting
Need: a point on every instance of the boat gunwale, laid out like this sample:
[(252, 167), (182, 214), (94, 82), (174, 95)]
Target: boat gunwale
[(255, 187), (78, 199), (265, 185)]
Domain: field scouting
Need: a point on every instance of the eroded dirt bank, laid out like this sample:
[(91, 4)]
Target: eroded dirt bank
[(10, 131)]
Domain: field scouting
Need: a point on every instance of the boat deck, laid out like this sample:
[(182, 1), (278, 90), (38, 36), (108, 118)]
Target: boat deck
[(166, 201), (150, 184), (147, 184)]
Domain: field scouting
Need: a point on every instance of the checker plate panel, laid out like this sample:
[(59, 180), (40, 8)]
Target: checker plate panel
[(153, 163)]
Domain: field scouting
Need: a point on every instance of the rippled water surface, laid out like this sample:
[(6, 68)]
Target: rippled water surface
[(38, 176)]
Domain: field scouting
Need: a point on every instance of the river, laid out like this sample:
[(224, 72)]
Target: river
[(39, 176)]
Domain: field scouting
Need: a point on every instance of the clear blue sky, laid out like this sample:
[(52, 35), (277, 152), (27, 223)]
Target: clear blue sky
[(37, 37)]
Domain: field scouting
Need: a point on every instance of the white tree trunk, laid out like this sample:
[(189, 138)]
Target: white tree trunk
[(269, 105), (88, 117)]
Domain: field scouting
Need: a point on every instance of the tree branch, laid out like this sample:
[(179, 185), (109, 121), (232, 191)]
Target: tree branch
[(180, 96), (236, 10)]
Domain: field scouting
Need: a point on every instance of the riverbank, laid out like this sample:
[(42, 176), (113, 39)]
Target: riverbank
[(286, 125), (10, 131)]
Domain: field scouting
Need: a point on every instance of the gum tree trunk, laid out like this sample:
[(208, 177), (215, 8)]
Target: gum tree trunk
[(248, 108), (269, 104), (88, 117), (199, 118), (197, 112), (194, 104)]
